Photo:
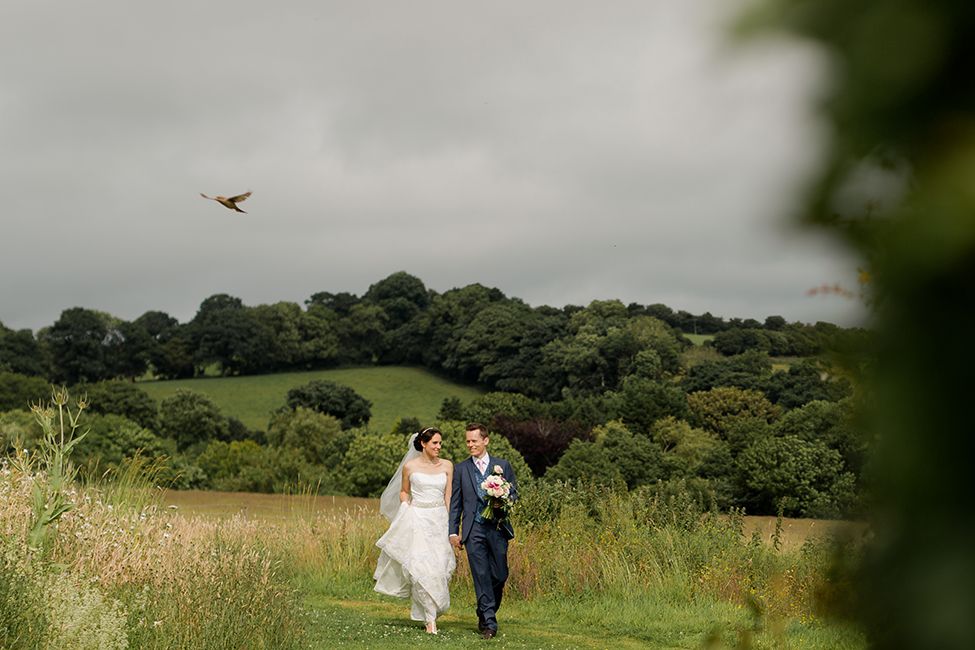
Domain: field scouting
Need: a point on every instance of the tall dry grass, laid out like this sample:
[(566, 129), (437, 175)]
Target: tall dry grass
[(579, 541), (116, 572)]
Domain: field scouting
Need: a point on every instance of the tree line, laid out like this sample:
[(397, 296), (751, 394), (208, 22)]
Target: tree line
[(607, 393), (472, 334)]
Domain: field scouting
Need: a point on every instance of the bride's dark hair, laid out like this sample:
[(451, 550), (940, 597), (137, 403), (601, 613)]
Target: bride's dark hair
[(425, 435)]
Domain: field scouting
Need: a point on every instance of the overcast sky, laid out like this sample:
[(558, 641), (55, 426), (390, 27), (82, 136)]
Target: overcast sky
[(562, 151)]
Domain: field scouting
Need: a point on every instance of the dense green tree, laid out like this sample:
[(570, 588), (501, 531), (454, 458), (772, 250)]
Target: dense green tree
[(371, 460), (21, 353), (831, 423), (111, 439), (744, 432), (639, 460), (718, 409), (319, 338), (120, 398), (681, 439), (191, 418), (775, 323), (19, 429), (20, 392), (407, 426), (604, 346), (77, 343), (807, 478), (593, 410), (804, 382), (512, 405), (436, 332), (174, 357), (401, 296), (128, 350), (645, 401), (217, 302), (451, 409), (237, 466), (747, 371), (339, 304), (305, 430), (156, 323), (584, 461), (282, 319), (616, 454), (330, 398), (234, 340), (362, 334)]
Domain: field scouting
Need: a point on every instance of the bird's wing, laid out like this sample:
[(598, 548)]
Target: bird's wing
[(240, 197)]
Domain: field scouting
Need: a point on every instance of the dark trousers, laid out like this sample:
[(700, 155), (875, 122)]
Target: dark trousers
[(487, 554)]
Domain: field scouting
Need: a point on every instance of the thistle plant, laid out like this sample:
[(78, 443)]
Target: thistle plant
[(50, 498)]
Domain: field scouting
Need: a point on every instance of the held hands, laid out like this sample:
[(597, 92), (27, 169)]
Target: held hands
[(455, 541)]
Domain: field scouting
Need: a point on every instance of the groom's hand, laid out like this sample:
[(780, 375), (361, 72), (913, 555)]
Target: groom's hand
[(455, 541)]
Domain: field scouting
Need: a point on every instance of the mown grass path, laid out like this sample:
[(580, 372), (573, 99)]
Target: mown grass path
[(366, 622), (363, 620)]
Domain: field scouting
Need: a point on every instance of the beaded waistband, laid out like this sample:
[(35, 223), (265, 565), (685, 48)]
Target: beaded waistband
[(429, 504)]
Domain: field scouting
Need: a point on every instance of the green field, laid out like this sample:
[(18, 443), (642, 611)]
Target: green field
[(699, 339), (395, 392)]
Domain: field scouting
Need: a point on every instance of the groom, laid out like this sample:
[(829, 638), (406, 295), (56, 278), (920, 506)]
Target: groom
[(486, 539)]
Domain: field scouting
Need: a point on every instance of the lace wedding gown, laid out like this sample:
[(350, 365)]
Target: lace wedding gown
[(416, 558)]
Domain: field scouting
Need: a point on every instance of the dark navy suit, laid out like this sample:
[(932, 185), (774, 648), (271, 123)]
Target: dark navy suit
[(487, 542)]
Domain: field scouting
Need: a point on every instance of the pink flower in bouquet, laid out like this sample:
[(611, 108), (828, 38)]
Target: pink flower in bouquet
[(498, 491)]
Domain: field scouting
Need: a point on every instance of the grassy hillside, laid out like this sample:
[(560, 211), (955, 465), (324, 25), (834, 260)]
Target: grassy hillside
[(699, 339), (395, 392)]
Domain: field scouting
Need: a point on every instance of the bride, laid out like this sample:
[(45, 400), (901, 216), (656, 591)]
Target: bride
[(416, 558)]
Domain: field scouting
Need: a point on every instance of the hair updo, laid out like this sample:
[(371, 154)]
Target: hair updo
[(425, 435)]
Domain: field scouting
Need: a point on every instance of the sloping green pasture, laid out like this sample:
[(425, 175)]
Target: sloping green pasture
[(395, 392)]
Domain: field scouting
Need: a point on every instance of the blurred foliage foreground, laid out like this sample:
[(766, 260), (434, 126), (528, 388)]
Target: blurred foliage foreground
[(899, 186)]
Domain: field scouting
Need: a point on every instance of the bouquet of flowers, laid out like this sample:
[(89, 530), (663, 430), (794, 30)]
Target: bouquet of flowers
[(498, 491)]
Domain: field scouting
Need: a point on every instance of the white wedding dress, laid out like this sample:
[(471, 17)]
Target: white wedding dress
[(417, 559)]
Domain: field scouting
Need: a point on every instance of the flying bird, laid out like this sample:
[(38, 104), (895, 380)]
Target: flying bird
[(228, 202)]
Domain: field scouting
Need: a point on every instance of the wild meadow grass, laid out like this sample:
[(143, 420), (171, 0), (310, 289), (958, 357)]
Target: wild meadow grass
[(101, 567), (395, 392), (591, 567)]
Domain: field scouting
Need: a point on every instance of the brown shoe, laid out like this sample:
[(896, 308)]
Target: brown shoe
[(488, 634), (480, 626)]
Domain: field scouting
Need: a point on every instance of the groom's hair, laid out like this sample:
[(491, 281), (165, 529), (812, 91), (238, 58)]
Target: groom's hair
[(477, 426)]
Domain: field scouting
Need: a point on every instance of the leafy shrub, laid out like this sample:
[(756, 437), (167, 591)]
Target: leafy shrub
[(19, 392), (304, 430), (190, 418), (718, 409), (330, 398), (513, 406), (120, 398), (112, 438)]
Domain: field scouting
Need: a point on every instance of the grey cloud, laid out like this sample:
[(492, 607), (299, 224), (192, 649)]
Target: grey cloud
[(560, 151)]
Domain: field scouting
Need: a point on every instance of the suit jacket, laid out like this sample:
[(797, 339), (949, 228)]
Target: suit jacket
[(463, 497)]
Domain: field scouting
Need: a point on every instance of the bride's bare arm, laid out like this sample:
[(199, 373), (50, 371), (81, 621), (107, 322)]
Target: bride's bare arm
[(404, 491)]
